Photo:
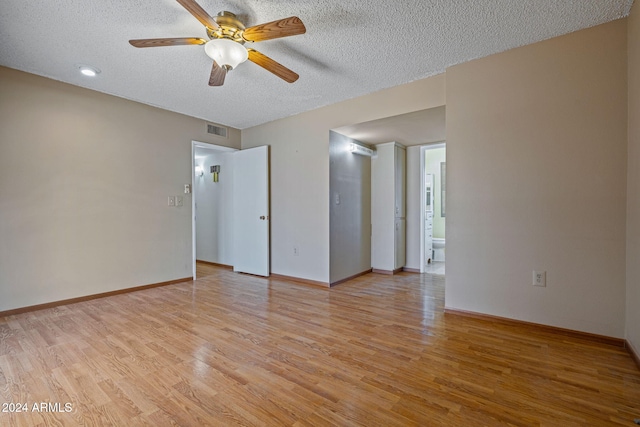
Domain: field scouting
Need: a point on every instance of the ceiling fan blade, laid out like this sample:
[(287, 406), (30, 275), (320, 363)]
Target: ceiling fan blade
[(217, 75), (200, 14), (291, 26), (270, 65), (166, 42)]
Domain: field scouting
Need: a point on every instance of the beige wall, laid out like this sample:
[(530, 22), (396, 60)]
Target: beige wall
[(300, 170), (84, 181), (536, 165), (633, 182)]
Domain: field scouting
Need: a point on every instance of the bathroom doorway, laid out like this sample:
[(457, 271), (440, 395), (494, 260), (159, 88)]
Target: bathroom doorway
[(433, 208)]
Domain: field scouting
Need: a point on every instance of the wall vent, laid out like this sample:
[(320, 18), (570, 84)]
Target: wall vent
[(216, 130)]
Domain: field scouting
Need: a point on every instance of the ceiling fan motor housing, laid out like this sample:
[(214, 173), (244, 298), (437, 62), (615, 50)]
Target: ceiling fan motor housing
[(229, 28)]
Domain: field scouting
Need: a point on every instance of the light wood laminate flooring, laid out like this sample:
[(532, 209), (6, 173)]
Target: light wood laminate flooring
[(231, 349)]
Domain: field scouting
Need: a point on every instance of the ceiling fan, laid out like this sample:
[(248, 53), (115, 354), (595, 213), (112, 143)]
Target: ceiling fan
[(227, 36)]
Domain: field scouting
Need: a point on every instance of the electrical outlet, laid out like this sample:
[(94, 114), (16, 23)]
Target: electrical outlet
[(179, 201), (171, 201), (540, 278), (296, 251), (187, 189)]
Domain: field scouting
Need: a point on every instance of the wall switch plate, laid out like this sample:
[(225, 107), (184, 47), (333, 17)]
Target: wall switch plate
[(540, 278), (179, 200), (187, 189), (171, 201)]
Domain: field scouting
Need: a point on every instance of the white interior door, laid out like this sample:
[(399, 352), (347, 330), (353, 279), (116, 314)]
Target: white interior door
[(251, 211)]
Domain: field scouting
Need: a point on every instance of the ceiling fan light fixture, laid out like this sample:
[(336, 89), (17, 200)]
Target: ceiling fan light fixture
[(227, 53)]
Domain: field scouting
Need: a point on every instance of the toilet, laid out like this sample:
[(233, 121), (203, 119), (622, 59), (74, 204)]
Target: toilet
[(438, 249)]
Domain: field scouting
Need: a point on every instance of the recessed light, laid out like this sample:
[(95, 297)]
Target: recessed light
[(89, 71)]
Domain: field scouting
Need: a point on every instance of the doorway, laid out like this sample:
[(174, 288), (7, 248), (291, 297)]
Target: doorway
[(415, 131), (433, 208), (211, 204), (230, 206)]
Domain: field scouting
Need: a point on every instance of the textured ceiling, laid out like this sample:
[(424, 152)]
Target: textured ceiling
[(351, 47)]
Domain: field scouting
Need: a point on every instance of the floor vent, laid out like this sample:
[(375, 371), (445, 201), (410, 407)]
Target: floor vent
[(217, 130)]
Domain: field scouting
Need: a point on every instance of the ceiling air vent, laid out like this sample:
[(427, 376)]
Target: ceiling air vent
[(217, 130)]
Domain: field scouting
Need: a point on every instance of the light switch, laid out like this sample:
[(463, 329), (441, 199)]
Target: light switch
[(179, 201), (171, 201)]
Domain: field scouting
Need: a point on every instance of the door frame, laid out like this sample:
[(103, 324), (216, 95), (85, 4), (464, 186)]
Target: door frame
[(423, 201), (208, 146)]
